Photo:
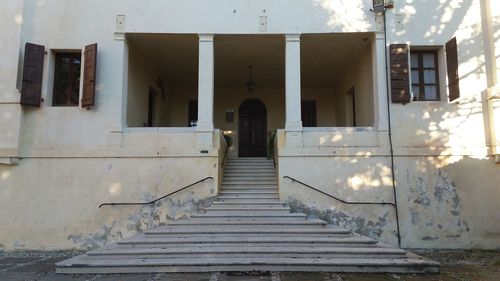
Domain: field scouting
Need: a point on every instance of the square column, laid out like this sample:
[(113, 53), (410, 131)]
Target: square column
[(121, 64), (205, 124), (293, 124), (381, 121), (292, 83)]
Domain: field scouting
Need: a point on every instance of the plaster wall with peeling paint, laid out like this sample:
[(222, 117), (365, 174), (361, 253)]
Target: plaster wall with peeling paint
[(58, 164), (446, 174)]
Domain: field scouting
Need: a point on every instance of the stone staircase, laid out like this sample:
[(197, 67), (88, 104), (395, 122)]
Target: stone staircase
[(247, 229)]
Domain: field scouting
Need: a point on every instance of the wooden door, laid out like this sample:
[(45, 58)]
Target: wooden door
[(252, 129)]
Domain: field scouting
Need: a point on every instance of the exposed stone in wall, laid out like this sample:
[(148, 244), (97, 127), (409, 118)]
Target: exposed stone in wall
[(371, 227), (144, 218), (435, 206)]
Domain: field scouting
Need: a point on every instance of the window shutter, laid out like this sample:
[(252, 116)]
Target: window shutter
[(400, 77), (31, 88), (89, 75), (452, 67)]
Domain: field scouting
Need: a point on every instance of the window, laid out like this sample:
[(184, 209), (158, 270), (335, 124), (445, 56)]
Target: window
[(67, 79), (192, 113), (308, 111), (424, 75)]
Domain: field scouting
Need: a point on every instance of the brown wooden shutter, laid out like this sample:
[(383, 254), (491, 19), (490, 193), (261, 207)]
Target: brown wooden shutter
[(400, 74), (89, 76), (452, 67), (31, 88)]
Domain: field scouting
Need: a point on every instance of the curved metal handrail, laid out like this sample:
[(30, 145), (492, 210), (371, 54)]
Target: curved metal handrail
[(338, 199), (156, 200)]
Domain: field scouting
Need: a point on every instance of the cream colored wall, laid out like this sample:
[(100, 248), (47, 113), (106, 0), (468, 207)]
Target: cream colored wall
[(446, 178), (360, 77), (142, 165), (142, 75), (60, 198), (180, 101), (231, 99), (325, 105)]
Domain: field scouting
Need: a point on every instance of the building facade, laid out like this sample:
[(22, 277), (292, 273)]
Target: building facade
[(122, 101)]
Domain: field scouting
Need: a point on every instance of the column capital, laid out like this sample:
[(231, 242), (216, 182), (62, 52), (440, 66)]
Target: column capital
[(292, 37), (378, 36), (121, 36), (206, 37)]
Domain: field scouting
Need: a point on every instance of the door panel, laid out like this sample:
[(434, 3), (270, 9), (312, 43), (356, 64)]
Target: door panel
[(252, 129)]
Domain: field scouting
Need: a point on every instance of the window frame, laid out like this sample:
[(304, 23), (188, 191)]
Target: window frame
[(420, 69), (56, 75)]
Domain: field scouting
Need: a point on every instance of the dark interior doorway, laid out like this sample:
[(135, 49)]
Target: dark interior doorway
[(252, 129), (151, 107)]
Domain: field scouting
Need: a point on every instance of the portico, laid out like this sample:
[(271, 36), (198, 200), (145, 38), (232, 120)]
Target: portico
[(330, 76)]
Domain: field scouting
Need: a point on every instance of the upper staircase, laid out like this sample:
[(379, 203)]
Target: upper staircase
[(247, 229)]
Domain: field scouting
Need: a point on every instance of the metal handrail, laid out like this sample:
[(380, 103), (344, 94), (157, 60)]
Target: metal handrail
[(225, 153), (156, 200), (341, 200)]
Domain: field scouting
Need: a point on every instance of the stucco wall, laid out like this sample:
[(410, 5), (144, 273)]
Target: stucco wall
[(231, 99), (446, 178), (360, 77), (143, 74), (59, 198), (71, 159)]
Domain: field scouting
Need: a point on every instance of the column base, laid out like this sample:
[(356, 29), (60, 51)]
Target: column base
[(204, 140), (293, 126), (204, 127), (293, 139)]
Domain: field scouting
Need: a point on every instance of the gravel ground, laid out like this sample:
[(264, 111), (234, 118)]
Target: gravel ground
[(461, 265)]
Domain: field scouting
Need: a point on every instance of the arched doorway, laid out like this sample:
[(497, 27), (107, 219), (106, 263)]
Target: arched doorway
[(252, 130)]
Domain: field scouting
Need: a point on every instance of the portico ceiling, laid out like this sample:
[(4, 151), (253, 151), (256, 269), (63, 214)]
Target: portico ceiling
[(324, 58)]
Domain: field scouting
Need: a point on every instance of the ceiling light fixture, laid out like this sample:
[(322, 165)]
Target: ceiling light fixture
[(250, 85)]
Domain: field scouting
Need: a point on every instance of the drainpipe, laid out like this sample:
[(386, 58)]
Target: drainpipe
[(389, 125)]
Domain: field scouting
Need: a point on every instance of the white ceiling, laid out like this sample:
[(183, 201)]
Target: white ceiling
[(324, 57)]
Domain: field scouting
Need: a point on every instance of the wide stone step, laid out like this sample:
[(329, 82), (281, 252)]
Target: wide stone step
[(250, 178), (233, 199), (242, 192), (269, 165), (243, 186), (248, 196), (247, 208), (249, 166), (211, 264), (247, 221), (255, 171), (248, 232), (245, 229), (251, 240), (250, 159), (252, 252), (244, 169), (249, 182), (249, 203), (247, 211), (229, 215), (248, 189)]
